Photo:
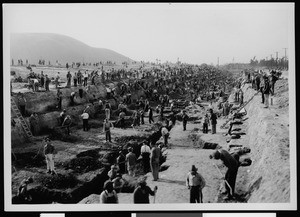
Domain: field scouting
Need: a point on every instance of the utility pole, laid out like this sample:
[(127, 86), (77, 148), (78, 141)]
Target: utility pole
[(285, 53), (218, 62)]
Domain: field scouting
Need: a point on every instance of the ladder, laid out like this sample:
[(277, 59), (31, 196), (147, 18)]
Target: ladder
[(240, 108), (20, 117)]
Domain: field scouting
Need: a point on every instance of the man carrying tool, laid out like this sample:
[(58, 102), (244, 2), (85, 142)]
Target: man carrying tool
[(230, 177)]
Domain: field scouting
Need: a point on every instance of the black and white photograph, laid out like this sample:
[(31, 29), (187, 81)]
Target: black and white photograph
[(149, 106)]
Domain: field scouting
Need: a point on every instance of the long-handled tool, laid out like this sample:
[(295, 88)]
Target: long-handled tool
[(155, 190), (224, 179)]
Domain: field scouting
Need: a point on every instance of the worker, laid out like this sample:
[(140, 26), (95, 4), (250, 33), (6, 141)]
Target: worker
[(213, 118), (131, 162), (67, 123), (150, 115), (142, 192), (232, 164), (72, 97), (107, 110), (185, 118), (47, 83), (205, 124), (118, 183), (154, 161), (62, 117), (145, 153), (121, 162), (112, 173), (195, 182), (85, 120), (106, 129), (59, 99), (49, 151), (23, 191), (108, 195), (165, 134)]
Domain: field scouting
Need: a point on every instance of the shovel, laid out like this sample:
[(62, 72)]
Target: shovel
[(224, 179)]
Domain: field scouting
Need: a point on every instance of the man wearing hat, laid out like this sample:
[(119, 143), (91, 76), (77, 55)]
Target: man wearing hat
[(195, 182), (142, 192), (48, 152), (108, 195), (130, 161), (232, 164)]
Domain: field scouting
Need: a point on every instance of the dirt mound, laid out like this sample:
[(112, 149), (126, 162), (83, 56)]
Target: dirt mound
[(60, 134), (83, 164), (58, 181), (28, 159), (199, 143)]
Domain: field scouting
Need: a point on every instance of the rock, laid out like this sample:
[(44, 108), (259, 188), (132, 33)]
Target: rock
[(93, 198)]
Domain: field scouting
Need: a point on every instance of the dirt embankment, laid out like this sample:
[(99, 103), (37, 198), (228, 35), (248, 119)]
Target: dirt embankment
[(268, 179)]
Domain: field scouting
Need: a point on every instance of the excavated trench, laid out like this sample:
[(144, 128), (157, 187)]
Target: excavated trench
[(65, 186)]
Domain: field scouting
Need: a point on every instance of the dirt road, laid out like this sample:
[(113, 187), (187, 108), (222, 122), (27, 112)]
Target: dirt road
[(180, 157)]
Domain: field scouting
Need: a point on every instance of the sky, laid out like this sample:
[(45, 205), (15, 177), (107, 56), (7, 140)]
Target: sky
[(195, 33)]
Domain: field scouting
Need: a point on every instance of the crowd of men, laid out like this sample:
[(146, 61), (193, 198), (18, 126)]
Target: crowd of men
[(195, 82)]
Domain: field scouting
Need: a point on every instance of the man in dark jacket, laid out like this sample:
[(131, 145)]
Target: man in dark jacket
[(151, 115), (142, 192), (267, 91), (232, 163), (185, 118), (213, 118)]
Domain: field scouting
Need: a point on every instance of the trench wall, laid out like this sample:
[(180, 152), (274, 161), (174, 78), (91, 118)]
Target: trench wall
[(268, 178)]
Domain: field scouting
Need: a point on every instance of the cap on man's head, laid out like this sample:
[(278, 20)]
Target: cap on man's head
[(108, 184), (194, 169)]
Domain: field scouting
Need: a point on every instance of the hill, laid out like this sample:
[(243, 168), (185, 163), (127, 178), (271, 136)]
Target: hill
[(52, 47)]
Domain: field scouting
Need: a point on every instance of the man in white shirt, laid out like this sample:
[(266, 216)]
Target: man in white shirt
[(85, 78), (85, 119), (145, 153), (165, 134)]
